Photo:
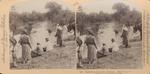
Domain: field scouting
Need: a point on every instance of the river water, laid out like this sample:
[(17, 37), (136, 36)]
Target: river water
[(38, 35)]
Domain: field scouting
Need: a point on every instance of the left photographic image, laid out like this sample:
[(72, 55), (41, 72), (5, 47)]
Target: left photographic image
[(42, 35)]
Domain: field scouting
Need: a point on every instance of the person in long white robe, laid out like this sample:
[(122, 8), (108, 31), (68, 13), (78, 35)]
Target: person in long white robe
[(114, 45)]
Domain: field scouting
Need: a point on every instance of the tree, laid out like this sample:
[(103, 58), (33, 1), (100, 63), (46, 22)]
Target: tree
[(53, 10), (135, 17), (124, 15), (122, 11)]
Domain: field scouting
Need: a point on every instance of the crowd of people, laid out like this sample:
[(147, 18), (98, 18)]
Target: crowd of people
[(26, 45), (94, 51), (90, 41)]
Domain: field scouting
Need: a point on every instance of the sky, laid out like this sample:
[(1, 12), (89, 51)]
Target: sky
[(88, 7)]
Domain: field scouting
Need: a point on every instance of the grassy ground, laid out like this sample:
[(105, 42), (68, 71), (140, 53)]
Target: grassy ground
[(65, 58), (125, 58), (59, 58)]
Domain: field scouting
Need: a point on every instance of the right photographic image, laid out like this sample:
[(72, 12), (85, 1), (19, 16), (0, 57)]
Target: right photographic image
[(110, 35)]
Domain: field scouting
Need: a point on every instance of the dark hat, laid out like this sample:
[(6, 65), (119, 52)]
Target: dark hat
[(24, 31), (46, 39), (113, 40), (104, 44), (38, 43), (30, 23), (90, 31)]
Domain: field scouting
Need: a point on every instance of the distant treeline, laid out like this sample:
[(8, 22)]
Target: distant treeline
[(56, 14)]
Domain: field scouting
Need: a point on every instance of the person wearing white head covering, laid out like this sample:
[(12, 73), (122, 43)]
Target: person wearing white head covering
[(125, 28), (59, 34), (124, 35)]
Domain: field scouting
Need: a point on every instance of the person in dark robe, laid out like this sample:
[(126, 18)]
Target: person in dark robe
[(124, 36), (92, 47), (59, 35), (49, 31)]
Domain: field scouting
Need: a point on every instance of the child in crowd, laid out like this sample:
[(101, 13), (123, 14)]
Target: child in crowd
[(102, 52), (79, 58), (103, 49), (14, 58), (37, 51)]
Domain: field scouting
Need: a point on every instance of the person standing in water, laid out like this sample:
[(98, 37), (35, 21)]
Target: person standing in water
[(26, 47), (92, 47)]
